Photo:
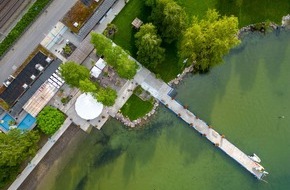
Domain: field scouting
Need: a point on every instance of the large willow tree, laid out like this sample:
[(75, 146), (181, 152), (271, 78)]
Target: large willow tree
[(150, 52), (206, 41)]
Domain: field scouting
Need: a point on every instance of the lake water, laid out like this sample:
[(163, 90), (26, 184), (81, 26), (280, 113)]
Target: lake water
[(243, 99)]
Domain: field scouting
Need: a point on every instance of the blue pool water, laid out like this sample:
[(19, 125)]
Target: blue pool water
[(27, 122), (5, 125)]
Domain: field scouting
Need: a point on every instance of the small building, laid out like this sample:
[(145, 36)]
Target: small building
[(137, 23)]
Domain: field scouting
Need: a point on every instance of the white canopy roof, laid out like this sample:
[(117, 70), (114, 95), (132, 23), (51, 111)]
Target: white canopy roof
[(95, 71), (87, 107), (101, 64)]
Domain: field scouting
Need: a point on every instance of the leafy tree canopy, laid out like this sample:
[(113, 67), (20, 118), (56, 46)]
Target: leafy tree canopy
[(72, 73), (106, 95), (49, 120), (100, 42), (174, 22), (169, 18), (127, 67), (115, 56), (87, 86), (206, 41), (148, 43), (16, 146)]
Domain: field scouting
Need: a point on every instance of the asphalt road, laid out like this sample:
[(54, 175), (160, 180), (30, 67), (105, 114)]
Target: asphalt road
[(33, 36)]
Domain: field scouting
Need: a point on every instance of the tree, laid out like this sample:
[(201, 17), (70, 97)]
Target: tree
[(15, 147), (126, 67), (106, 96), (148, 43), (100, 42), (169, 18), (174, 22), (72, 73), (49, 120), (111, 30), (87, 86), (150, 2), (115, 56), (208, 40)]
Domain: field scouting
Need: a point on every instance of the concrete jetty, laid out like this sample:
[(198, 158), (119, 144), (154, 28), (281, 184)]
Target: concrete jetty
[(160, 90)]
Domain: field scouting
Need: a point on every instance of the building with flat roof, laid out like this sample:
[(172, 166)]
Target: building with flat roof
[(22, 87)]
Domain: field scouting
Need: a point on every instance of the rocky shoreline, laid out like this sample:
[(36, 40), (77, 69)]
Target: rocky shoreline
[(140, 121)]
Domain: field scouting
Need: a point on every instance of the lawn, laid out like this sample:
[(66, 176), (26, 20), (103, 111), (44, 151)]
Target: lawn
[(135, 108), (125, 35), (247, 11)]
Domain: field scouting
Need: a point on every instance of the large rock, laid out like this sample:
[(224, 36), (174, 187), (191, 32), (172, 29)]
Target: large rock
[(286, 21)]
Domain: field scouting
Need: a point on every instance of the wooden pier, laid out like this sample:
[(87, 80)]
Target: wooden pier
[(160, 90)]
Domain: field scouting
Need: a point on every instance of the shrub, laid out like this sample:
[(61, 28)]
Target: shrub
[(50, 119)]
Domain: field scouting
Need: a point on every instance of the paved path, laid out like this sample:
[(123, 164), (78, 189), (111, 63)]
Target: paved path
[(40, 154), (32, 37)]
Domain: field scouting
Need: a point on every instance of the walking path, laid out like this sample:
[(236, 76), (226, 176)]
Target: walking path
[(40, 154), (161, 90)]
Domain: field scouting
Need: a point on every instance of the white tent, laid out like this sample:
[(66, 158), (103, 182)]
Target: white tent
[(95, 72), (87, 107), (101, 64)]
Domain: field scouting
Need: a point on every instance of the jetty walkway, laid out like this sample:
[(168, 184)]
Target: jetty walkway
[(160, 90)]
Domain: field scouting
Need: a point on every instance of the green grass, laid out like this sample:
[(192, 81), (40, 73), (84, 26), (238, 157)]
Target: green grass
[(169, 68), (247, 11), (125, 35), (196, 7), (135, 108), (21, 26)]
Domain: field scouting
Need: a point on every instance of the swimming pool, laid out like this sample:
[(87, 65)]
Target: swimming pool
[(5, 122), (27, 122)]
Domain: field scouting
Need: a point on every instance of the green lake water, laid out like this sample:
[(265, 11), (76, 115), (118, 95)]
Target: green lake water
[(242, 99)]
